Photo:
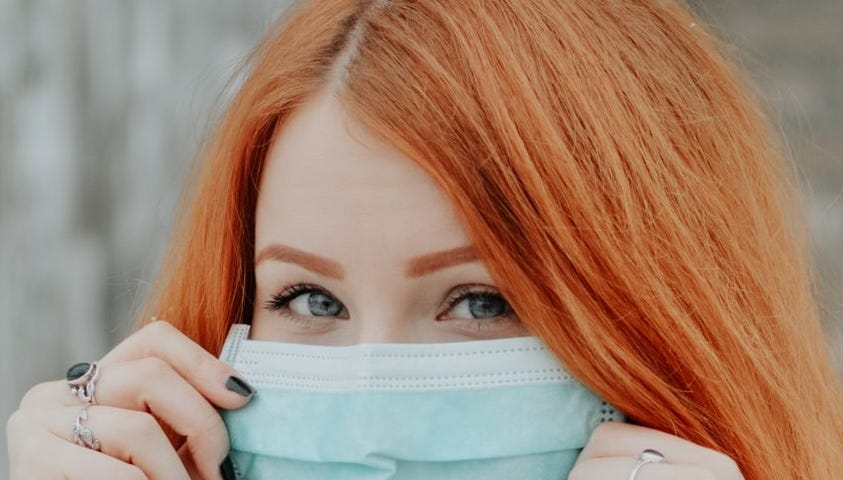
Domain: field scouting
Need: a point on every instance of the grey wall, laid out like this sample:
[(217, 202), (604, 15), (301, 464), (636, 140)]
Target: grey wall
[(794, 50), (102, 103)]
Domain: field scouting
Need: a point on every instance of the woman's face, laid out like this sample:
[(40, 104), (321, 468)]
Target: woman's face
[(356, 244)]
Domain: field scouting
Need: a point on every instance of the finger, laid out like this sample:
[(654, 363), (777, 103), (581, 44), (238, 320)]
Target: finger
[(620, 467), (617, 439), (187, 460), (51, 457), (157, 388), (133, 437), (151, 385), (208, 374)]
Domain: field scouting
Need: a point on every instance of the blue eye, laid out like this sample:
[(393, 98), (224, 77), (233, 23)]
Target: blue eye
[(316, 304), (474, 308), (479, 305), (306, 301), (470, 306)]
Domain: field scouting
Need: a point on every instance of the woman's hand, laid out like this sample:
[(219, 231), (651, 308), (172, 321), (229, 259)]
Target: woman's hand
[(156, 374), (613, 446)]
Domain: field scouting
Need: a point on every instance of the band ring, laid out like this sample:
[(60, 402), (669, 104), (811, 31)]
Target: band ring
[(82, 435), (81, 379), (647, 456)]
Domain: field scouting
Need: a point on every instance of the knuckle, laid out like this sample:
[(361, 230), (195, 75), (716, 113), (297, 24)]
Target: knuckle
[(205, 366), (155, 367), (149, 335), (212, 425), (159, 328), (15, 424), (144, 425), (37, 393), (209, 433)]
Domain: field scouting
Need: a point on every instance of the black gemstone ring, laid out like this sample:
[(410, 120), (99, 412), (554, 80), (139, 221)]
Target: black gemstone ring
[(80, 380)]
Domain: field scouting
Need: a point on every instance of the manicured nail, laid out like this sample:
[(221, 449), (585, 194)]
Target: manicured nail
[(239, 386), (227, 469)]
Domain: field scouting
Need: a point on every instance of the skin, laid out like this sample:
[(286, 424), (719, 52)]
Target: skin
[(331, 190)]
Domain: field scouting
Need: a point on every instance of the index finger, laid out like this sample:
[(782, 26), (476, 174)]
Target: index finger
[(215, 380)]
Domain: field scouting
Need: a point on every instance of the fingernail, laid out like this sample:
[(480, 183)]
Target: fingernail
[(238, 386), (227, 469)]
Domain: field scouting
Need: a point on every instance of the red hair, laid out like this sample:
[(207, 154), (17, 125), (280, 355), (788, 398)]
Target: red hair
[(613, 169)]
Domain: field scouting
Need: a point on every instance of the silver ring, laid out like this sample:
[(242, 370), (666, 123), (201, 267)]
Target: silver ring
[(643, 458), (81, 434), (80, 380)]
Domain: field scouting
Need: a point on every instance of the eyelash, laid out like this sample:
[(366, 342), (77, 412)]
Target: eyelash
[(465, 291), (279, 302)]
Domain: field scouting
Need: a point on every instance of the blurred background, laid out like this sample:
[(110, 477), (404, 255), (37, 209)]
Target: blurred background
[(102, 103)]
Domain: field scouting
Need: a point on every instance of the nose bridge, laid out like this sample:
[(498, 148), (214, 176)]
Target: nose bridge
[(383, 309), (381, 326), (383, 318)]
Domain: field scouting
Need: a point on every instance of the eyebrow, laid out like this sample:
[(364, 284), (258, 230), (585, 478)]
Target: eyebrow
[(415, 267)]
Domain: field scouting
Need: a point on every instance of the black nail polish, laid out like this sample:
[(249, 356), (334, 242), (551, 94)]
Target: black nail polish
[(227, 469), (238, 386)]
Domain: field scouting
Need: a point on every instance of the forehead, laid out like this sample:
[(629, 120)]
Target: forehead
[(328, 185)]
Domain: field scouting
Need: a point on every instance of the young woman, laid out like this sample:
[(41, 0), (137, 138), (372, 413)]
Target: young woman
[(592, 173)]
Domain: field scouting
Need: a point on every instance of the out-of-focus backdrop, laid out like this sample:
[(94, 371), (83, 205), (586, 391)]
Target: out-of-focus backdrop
[(102, 103)]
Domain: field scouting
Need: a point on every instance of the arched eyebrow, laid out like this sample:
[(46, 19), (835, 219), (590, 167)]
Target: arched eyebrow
[(287, 254), (415, 267), (431, 262)]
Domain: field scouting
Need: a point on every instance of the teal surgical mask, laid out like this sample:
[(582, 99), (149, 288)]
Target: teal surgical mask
[(485, 409)]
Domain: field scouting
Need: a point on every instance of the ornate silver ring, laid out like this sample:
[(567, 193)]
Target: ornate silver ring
[(81, 434), (80, 380)]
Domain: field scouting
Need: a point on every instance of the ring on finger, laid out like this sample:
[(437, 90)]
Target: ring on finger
[(646, 456), (82, 435), (81, 379)]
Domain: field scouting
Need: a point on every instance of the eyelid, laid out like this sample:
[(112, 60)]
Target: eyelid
[(289, 292), (464, 291)]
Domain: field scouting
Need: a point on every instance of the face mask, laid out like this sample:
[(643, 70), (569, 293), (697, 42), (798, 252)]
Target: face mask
[(486, 409)]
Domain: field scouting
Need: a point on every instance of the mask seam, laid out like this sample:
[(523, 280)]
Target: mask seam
[(394, 355), (534, 371), (409, 384)]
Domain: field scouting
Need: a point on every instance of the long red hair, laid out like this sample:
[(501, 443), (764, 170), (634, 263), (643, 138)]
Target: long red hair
[(612, 167)]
